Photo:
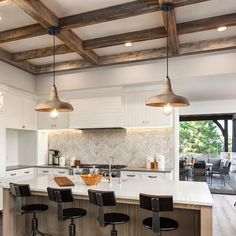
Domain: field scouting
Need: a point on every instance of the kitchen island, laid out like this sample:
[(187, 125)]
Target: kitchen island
[(192, 207)]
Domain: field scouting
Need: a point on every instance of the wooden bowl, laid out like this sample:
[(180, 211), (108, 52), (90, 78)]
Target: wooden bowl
[(91, 179)]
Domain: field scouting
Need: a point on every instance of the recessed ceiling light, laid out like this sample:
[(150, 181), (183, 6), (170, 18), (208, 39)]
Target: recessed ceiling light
[(128, 44), (0, 18), (3, 3), (222, 28)]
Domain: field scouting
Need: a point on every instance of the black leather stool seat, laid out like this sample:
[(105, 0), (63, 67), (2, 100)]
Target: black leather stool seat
[(73, 213), (115, 218), (166, 224), (34, 208)]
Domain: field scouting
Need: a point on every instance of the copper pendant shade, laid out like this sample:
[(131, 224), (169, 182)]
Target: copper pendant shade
[(167, 97), (54, 103)]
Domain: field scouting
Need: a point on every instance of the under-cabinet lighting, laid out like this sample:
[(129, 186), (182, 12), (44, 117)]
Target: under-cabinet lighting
[(222, 28)]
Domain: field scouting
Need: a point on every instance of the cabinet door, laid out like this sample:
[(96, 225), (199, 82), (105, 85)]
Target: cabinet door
[(29, 114), (134, 109), (46, 122), (155, 116), (14, 111)]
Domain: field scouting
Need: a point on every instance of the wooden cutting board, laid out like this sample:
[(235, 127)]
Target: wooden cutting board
[(64, 182)]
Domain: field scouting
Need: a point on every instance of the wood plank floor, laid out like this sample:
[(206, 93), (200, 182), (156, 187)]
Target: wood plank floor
[(224, 215)]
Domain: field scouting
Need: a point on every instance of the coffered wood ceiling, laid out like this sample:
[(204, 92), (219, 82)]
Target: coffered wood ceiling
[(94, 32)]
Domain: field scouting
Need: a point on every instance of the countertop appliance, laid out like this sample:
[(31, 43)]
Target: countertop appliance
[(54, 156), (97, 168)]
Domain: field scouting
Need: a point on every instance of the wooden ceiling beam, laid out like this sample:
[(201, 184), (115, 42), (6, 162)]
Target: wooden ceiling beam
[(83, 19), (22, 33), (206, 24), (171, 27), (137, 36), (109, 14), (41, 52), (24, 65), (37, 10), (149, 34), (117, 12), (204, 46)]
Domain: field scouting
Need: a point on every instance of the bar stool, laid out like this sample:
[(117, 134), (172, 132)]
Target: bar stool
[(103, 199), (21, 191), (64, 196), (156, 204)]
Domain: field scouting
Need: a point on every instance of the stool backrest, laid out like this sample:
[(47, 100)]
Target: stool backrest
[(20, 190), (101, 199), (156, 204), (60, 196)]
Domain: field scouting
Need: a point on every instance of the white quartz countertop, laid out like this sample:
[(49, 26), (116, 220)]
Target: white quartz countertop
[(196, 193)]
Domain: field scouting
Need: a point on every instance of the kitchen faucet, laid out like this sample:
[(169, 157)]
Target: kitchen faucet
[(109, 170)]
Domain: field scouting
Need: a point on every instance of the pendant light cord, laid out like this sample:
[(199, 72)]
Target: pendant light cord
[(167, 49), (54, 60)]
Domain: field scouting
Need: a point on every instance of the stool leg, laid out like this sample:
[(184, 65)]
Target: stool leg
[(72, 228), (35, 231), (113, 231)]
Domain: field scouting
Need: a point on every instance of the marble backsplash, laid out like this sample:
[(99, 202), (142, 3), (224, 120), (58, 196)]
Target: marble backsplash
[(128, 147)]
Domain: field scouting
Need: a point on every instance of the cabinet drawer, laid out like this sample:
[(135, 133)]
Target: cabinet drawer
[(158, 176), (61, 171), (13, 173), (129, 174), (45, 171), (28, 171), (22, 173)]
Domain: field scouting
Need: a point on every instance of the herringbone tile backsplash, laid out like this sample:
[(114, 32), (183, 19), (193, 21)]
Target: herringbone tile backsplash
[(128, 147)]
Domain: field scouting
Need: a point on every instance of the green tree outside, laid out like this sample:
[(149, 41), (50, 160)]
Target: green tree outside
[(200, 139)]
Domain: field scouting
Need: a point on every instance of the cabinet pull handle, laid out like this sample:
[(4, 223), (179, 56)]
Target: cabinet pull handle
[(131, 175), (152, 177), (13, 174), (45, 171), (61, 172), (26, 172)]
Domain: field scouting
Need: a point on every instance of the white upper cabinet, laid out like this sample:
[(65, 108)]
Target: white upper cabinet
[(137, 114), (20, 112), (46, 122), (96, 112), (29, 114)]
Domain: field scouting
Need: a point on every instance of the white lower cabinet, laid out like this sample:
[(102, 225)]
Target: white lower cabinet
[(21, 174), (52, 171), (147, 175)]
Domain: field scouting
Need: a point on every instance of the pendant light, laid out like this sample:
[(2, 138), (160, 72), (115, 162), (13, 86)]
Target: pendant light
[(167, 99), (54, 104)]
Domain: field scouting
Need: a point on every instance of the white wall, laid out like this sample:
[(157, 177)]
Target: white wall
[(16, 78), (12, 147), (210, 107), (183, 70)]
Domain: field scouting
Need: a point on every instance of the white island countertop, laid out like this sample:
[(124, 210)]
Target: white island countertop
[(194, 193)]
